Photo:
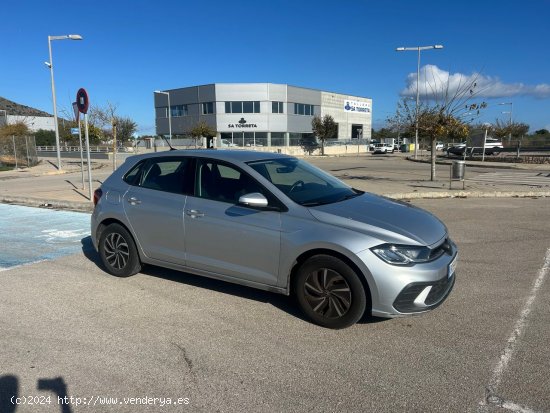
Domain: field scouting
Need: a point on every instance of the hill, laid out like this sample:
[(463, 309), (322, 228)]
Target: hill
[(16, 109)]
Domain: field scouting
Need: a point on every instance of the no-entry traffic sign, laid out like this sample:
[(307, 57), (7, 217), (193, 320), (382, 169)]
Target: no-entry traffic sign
[(82, 100)]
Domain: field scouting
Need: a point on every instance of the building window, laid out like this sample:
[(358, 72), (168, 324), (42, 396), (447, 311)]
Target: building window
[(242, 107), (277, 107), (303, 109), (207, 108), (179, 110)]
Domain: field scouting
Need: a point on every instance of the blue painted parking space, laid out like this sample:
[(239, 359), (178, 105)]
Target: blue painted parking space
[(30, 235)]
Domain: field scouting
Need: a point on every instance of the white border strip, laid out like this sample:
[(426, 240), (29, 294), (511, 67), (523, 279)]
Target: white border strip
[(519, 327)]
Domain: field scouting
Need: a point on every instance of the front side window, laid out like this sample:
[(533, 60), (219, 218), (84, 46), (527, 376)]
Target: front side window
[(302, 182), (224, 183)]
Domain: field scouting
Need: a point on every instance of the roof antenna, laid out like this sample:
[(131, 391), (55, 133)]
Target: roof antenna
[(166, 140)]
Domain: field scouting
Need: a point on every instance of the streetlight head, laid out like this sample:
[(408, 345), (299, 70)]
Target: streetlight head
[(74, 36), (400, 49), (438, 46), (48, 64)]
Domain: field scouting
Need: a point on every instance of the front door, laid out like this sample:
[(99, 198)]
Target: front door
[(225, 238)]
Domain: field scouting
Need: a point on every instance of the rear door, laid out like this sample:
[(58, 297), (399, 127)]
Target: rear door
[(154, 206)]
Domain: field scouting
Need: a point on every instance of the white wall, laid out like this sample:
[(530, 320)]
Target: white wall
[(34, 122)]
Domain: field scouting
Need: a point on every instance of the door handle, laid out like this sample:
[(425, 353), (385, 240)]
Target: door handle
[(134, 201), (193, 213)]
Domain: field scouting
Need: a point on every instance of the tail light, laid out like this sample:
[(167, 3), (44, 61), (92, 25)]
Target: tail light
[(97, 194)]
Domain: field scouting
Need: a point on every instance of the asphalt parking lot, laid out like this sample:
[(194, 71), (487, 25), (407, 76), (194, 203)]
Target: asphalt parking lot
[(167, 341)]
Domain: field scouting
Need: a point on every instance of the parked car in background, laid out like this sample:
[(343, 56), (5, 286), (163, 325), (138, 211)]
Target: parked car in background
[(225, 143), (439, 146), (492, 147), (383, 148), (277, 223)]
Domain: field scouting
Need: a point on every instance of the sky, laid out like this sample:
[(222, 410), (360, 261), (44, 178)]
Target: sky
[(132, 48)]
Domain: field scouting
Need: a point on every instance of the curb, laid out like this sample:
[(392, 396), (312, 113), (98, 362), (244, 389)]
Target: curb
[(469, 194), (488, 164), (48, 203)]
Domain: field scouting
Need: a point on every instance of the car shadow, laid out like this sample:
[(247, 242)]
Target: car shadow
[(284, 303), (280, 301)]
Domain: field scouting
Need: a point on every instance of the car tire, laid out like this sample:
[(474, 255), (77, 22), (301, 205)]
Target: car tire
[(118, 251), (329, 292)]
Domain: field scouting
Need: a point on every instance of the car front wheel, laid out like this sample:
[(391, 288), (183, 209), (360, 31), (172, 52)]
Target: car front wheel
[(329, 292), (118, 251)]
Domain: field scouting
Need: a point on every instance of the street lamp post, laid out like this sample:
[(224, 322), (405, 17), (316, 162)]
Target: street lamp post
[(50, 65), (510, 124), (417, 48), (169, 113)]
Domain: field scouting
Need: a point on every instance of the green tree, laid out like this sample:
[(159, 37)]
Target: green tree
[(202, 129), (126, 128), (44, 137), (324, 129), (515, 129), (14, 129), (445, 117)]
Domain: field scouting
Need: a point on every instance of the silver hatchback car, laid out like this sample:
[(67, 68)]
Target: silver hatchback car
[(276, 223)]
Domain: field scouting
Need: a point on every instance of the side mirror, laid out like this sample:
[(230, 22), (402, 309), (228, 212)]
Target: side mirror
[(255, 200)]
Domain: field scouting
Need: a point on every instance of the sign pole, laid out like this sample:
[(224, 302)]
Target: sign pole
[(77, 116), (81, 153), (88, 156)]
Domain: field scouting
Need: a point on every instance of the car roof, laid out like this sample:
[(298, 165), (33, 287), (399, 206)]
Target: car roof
[(221, 154)]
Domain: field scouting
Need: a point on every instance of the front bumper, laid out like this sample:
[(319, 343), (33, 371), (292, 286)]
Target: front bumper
[(398, 291)]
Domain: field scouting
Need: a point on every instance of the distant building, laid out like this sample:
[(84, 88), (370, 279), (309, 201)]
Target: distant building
[(34, 123), (12, 112), (261, 114)]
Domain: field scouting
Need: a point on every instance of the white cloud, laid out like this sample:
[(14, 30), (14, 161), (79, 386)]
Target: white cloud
[(435, 83)]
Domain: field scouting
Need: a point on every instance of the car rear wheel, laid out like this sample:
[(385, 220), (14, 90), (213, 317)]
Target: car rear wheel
[(118, 251), (329, 292)]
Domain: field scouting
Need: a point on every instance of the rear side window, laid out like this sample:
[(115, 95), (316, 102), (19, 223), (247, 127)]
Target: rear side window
[(133, 176), (170, 174)]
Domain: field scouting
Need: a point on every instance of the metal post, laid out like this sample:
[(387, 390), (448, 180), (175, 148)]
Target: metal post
[(81, 153), (169, 118), (484, 141), (14, 151), (88, 156), (28, 158), (56, 126), (417, 99)]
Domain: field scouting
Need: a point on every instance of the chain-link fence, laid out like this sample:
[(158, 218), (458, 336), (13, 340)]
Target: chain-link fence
[(18, 151)]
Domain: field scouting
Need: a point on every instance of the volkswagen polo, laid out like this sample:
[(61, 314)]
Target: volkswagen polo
[(276, 223)]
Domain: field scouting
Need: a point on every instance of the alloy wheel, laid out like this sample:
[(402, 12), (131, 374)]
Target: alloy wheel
[(328, 293)]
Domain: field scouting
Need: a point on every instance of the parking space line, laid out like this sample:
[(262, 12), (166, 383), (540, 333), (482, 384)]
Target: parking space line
[(508, 405), (508, 353)]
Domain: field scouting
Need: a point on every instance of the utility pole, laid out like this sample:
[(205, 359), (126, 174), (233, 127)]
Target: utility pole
[(113, 122)]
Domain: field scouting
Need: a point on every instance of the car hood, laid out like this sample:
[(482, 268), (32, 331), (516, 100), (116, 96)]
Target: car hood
[(386, 219)]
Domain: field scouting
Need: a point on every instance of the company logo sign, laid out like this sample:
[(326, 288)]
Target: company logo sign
[(353, 106), (242, 124)]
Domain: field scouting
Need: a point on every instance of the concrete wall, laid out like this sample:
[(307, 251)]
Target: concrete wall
[(34, 123)]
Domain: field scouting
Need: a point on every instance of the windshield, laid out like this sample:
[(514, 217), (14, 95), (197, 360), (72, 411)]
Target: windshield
[(302, 182)]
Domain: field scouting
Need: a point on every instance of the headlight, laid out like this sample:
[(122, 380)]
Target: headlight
[(402, 254)]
